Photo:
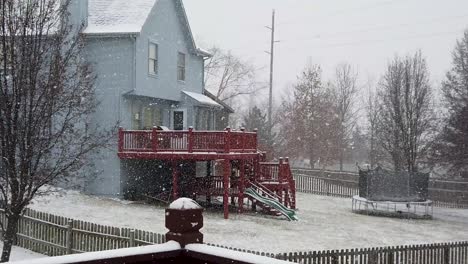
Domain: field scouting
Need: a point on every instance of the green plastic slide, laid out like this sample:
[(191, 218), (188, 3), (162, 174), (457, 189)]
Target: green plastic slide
[(289, 213)]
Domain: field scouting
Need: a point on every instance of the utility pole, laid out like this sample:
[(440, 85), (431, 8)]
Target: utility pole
[(272, 51)]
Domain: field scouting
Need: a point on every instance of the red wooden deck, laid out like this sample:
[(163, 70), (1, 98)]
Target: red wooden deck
[(187, 145), (274, 178)]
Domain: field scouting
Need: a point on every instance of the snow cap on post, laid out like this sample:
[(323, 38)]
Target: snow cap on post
[(184, 204), (184, 219)]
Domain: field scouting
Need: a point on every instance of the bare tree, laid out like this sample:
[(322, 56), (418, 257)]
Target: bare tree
[(229, 77), (372, 117), (46, 102), (345, 90), (405, 116)]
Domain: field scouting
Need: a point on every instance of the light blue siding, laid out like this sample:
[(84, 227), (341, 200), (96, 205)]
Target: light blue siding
[(164, 28), (124, 83), (112, 59)]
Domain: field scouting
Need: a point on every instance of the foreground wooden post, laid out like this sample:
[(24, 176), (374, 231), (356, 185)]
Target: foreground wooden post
[(69, 237), (227, 174), (184, 219)]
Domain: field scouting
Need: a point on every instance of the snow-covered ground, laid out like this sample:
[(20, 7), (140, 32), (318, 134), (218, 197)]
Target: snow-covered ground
[(325, 223), (18, 254)]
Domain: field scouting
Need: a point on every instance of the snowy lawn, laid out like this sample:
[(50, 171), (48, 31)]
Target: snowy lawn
[(325, 223), (18, 254)]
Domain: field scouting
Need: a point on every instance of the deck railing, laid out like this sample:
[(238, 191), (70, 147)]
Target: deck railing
[(187, 141)]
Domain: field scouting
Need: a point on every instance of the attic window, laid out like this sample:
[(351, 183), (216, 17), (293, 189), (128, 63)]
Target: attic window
[(153, 59), (181, 66)]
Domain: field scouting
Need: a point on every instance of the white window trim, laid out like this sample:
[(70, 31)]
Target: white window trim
[(150, 42), (185, 67)]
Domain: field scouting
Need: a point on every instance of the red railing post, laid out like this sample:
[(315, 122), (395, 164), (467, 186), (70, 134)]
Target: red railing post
[(292, 184), (190, 139), (227, 140), (280, 170), (121, 139), (243, 139), (154, 139), (255, 143)]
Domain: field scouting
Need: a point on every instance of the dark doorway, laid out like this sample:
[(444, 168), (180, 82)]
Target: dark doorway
[(178, 120)]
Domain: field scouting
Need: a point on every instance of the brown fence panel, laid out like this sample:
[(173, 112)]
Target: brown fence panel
[(345, 184)]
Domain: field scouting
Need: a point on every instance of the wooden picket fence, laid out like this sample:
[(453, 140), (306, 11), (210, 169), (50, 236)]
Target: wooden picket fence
[(441, 253), (446, 194), (57, 235)]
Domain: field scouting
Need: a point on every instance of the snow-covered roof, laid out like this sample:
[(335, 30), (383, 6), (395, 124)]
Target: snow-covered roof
[(117, 16), (202, 99), (233, 255), (116, 253)]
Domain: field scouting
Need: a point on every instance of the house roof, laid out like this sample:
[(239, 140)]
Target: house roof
[(117, 16)]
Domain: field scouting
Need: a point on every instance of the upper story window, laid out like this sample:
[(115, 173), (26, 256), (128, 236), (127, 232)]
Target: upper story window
[(153, 59), (181, 66)]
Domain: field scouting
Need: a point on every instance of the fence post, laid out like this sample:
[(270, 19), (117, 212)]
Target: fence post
[(334, 257), (390, 256), (69, 237), (447, 254), (132, 238)]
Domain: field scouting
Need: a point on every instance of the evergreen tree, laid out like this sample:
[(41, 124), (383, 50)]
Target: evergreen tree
[(256, 119), (452, 146)]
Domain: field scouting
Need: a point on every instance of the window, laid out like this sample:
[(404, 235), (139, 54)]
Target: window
[(153, 59), (181, 66), (136, 116), (152, 117)]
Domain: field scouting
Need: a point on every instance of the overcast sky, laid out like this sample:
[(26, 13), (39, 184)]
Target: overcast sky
[(364, 33)]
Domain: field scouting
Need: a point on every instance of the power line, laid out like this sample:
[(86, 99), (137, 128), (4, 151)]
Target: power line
[(386, 27), (339, 12), (357, 43)]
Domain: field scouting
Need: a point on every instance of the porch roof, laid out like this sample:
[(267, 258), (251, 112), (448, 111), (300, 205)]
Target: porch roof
[(202, 100)]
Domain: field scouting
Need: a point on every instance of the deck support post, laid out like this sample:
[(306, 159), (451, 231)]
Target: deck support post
[(241, 186), (227, 174), (175, 180)]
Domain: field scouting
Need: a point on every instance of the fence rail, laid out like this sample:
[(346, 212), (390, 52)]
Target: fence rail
[(345, 184), (56, 235)]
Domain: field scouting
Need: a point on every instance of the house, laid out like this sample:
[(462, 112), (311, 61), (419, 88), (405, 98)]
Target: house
[(149, 73)]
